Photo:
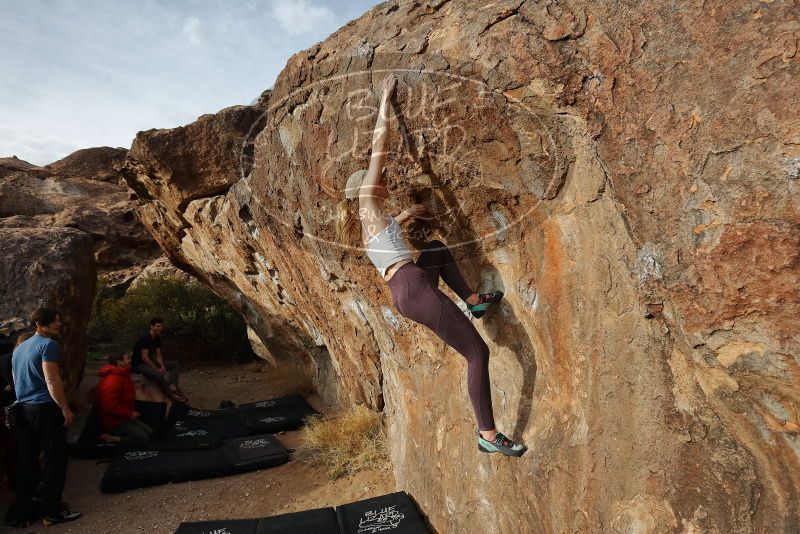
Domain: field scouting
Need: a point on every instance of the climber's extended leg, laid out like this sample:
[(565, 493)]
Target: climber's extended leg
[(416, 297), (438, 262)]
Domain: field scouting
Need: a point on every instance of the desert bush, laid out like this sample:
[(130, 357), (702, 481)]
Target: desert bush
[(198, 324), (345, 443)]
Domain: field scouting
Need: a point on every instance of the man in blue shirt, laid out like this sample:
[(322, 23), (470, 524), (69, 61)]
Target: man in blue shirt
[(42, 417)]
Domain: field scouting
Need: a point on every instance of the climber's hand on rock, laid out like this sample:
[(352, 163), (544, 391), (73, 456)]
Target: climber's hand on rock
[(389, 85), (417, 211)]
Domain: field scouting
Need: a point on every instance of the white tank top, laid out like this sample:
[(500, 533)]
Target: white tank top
[(387, 247)]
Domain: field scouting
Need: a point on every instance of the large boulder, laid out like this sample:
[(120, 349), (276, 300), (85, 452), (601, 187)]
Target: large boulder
[(626, 172), (84, 191), (51, 267)]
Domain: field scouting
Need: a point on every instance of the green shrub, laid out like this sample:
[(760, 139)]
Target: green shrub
[(95, 356), (198, 324)]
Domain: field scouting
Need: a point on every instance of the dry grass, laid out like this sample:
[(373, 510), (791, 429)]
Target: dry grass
[(345, 443)]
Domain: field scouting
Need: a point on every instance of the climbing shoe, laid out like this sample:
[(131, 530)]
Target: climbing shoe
[(501, 444), (63, 516), (486, 300)]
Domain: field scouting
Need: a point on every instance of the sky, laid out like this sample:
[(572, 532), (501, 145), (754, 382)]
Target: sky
[(84, 73)]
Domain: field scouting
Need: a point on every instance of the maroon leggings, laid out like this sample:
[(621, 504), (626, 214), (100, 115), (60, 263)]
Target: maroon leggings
[(416, 294)]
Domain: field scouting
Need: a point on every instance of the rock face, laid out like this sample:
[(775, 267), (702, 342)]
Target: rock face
[(626, 172), (51, 267), (161, 267), (96, 164), (62, 225), (82, 191)]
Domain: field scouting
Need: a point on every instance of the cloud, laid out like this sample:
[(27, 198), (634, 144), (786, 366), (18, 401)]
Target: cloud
[(193, 31), (93, 73), (33, 147), (300, 16)]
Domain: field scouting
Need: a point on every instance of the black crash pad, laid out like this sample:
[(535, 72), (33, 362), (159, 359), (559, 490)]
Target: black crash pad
[(256, 452), (393, 513), (190, 428), (278, 418), (221, 427), (180, 438), (137, 469), (153, 414), (319, 521), (131, 469), (225, 424), (179, 410), (93, 451), (229, 526), (271, 403), (202, 464)]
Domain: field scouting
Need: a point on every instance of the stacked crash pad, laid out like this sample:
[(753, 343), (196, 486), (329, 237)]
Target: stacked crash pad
[(275, 415), (189, 428), (194, 444), (394, 513), (139, 468)]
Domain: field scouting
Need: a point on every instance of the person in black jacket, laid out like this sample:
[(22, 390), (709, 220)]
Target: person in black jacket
[(148, 361)]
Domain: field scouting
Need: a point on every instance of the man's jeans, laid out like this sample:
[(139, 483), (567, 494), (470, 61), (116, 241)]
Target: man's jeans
[(155, 375), (133, 432), (41, 428)]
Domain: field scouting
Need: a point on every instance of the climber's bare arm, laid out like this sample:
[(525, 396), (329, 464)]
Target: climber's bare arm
[(373, 191), (414, 212)]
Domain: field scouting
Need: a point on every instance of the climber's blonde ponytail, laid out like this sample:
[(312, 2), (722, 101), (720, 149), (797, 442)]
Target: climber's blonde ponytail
[(345, 223)]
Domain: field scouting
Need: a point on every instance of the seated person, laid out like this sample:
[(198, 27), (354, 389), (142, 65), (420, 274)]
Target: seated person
[(148, 361), (115, 399)]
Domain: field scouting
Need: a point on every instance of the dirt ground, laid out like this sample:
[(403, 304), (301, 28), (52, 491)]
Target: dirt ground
[(287, 488)]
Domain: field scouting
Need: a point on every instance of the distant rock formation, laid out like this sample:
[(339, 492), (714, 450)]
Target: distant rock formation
[(96, 164), (63, 225), (161, 267), (626, 172), (51, 267), (83, 191)]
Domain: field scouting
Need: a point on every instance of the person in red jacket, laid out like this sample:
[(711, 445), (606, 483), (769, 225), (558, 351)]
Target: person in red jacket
[(115, 402)]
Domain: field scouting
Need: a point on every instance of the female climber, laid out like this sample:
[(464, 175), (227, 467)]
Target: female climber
[(415, 285)]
